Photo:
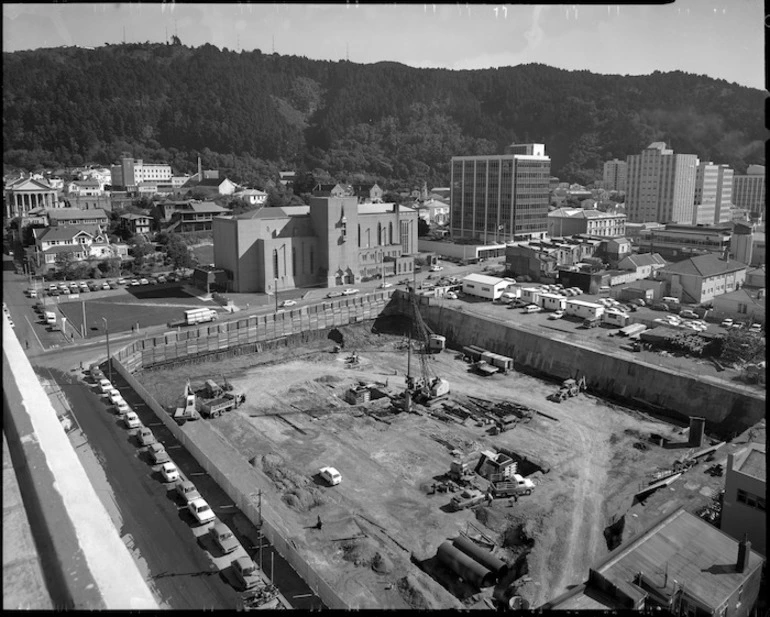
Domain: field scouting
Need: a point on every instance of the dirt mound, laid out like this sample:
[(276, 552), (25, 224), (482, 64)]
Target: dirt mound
[(381, 564), (494, 518), (359, 552), (297, 490), (412, 592)]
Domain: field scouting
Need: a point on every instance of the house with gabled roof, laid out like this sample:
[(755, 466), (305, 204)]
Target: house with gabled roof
[(136, 223), (75, 216), (82, 241), (644, 264), (368, 193), (255, 197), (701, 279), (195, 216), (742, 305)]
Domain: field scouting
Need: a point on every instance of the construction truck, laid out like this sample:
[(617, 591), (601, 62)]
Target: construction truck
[(461, 472), (514, 486), (227, 402), (568, 389), (187, 411), (467, 499), (431, 392)]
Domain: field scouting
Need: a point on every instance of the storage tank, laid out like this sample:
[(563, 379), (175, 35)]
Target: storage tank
[(497, 566), (464, 566)]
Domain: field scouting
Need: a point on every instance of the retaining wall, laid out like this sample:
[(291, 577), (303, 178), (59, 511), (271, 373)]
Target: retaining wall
[(727, 409)]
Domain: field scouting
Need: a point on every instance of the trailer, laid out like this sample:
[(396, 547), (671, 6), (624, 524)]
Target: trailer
[(615, 317), (504, 363), (199, 315), (583, 309), (473, 353), (632, 329)]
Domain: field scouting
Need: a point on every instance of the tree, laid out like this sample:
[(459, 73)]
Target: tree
[(64, 263), (178, 253), (140, 249), (742, 346), (423, 228)]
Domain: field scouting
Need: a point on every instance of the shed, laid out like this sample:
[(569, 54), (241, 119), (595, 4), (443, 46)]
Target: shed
[(482, 286)]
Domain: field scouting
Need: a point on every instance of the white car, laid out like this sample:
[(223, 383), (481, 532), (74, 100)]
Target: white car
[(727, 323), (115, 396), (131, 420), (121, 407), (349, 292), (169, 472), (144, 282), (532, 308), (755, 327), (331, 475), (450, 295), (105, 385), (436, 268), (105, 286), (287, 303), (556, 315), (385, 285), (201, 511)]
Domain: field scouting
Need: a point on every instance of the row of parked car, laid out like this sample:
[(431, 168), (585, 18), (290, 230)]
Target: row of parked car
[(246, 572), (73, 287)]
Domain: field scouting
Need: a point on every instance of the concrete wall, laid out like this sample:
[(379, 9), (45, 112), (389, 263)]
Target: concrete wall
[(725, 408)]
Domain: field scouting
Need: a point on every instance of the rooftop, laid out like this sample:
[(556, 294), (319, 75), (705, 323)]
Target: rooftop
[(483, 279), (754, 463), (69, 232), (705, 265), (381, 208), (66, 214), (693, 553)]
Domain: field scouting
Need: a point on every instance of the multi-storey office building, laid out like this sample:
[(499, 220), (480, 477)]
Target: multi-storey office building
[(725, 177), (705, 202), (499, 198), (615, 174), (749, 190), (660, 185)]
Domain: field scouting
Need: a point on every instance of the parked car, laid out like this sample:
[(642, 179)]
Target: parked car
[(52, 286), (246, 572), (121, 281), (385, 285), (436, 268), (131, 420), (113, 284), (637, 302), (94, 286), (556, 315), (755, 327), (187, 491), (223, 538), (727, 323), (65, 291), (532, 308), (105, 385), (105, 286), (738, 325), (660, 306), (688, 314), (134, 283), (54, 292), (161, 279), (121, 407), (74, 285), (144, 281), (287, 303), (201, 511), (331, 475), (146, 437), (115, 396), (158, 454), (169, 472), (468, 498), (450, 295), (349, 292)]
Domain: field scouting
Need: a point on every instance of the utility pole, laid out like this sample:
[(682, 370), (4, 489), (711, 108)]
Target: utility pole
[(276, 294), (83, 304), (259, 506), (109, 359)]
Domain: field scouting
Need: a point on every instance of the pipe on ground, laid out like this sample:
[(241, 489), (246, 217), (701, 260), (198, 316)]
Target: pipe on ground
[(464, 566), (484, 557)]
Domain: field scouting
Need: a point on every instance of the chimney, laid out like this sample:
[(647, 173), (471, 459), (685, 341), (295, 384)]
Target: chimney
[(744, 553), (200, 172)]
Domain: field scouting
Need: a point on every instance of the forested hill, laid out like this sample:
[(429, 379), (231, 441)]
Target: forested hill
[(251, 114)]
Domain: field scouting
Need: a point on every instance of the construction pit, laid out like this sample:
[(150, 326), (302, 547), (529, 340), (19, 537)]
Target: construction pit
[(384, 523)]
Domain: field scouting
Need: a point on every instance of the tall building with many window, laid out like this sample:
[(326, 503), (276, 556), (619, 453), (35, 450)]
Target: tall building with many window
[(660, 185), (132, 172), (749, 190), (705, 202), (499, 198), (724, 195), (615, 173)]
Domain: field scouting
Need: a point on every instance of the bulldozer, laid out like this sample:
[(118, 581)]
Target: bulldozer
[(568, 389)]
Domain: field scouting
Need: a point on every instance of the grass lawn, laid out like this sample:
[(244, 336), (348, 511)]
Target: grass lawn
[(204, 254), (148, 307)]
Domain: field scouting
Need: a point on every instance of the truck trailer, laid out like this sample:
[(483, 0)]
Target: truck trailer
[(199, 315)]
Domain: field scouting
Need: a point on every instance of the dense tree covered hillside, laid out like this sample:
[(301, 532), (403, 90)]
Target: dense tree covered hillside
[(251, 114)]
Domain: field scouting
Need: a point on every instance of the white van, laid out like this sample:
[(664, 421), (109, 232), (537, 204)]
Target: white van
[(604, 291), (669, 300), (50, 318)]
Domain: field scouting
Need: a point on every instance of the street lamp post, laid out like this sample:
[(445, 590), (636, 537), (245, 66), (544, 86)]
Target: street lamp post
[(109, 359)]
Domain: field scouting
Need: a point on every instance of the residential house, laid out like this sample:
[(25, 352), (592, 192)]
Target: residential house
[(368, 193), (287, 178), (75, 216), (744, 505), (24, 194), (616, 249), (703, 278), (333, 190), (434, 211), (333, 241), (90, 187), (541, 259), (253, 197), (195, 216), (643, 264), (136, 223), (80, 241), (743, 304), (680, 565)]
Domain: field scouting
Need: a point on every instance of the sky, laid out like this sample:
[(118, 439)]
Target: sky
[(720, 38)]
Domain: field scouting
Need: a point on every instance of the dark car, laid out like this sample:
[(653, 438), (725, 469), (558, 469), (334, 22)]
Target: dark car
[(660, 306), (54, 292)]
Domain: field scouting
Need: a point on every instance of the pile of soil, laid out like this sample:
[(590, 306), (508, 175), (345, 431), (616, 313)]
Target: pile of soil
[(493, 518), (412, 593), (359, 552), (381, 564), (296, 488)]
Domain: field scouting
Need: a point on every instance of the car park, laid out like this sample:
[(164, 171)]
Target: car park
[(246, 572), (187, 491), (131, 420), (146, 437), (331, 475), (287, 303), (201, 511), (223, 538), (556, 315), (158, 454), (169, 472), (727, 323)]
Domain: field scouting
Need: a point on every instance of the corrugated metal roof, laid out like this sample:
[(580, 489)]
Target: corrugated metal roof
[(705, 265), (484, 279)]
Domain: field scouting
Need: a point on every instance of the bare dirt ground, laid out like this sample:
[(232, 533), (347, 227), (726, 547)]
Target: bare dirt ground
[(295, 421)]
